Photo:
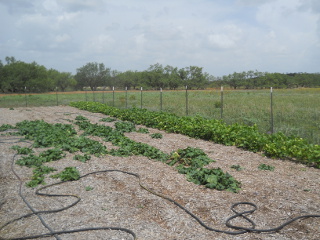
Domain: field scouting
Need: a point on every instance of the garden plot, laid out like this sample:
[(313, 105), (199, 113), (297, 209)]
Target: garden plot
[(115, 199)]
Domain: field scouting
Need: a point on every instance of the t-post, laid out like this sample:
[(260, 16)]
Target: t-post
[(113, 96), (271, 111), (187, 112), (141, 98), (25, 95), (221, 103), (126, 97), (57, 96), (160, 99)]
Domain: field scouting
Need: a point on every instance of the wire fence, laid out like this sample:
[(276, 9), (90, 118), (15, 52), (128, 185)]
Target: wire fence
[(291, 111)]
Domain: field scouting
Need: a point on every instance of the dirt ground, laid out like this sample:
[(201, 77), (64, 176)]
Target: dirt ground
[(116, 199)]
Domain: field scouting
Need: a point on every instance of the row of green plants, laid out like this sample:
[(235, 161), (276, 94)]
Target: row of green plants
[(59, 138), (276, 145), (62, 138), (190, 161)]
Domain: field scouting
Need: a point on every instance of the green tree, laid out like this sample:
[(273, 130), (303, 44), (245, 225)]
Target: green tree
[(125, 79), (193, 77), (92, 75), (236, 79), (2, 78), (154, 77), (113, 79), (137, 79), (61, 80), (18, 76), (39, 81), (10, 60), (172, 76)]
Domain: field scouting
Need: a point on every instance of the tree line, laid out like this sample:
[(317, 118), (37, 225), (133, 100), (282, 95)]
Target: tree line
[(18, 76), (96, 75), (255, 79)]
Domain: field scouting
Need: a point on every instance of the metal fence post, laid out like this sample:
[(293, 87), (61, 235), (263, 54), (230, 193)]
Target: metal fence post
[(160, 99), (126, 97), (57, 96), (103, 100), (113, 96), (25, 96), (271, 111), (221, 103), (187, 108), (141, 98)]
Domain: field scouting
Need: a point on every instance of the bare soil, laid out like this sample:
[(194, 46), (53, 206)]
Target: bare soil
[(117, 200)]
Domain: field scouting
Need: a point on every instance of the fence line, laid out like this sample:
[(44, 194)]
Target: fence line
[(270, 112)]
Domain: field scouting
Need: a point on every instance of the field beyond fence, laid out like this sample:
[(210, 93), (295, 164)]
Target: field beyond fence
[(291, 111)]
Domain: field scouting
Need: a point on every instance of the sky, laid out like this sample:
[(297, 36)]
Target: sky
[(222, 36)]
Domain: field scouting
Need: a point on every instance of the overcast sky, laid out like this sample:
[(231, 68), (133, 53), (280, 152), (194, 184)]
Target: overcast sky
[(222, 36)]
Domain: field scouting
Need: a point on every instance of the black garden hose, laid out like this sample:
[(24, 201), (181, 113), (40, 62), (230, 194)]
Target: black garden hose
[(239, 230)]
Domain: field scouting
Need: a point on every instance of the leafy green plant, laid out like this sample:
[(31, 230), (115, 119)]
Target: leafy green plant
[(143, 130), (265, 167), (68, 174), (38, 175), (30, 161), (52, 154), (5, 127), (36, 161), (211, 178), (108, 119), (125, 126), (127, 147), (82, 158), (81, 118), (191, 161), (62, 138), (85, 145), (190, 156), (243, 136), (44, 134), (156, 135), (22, 150)]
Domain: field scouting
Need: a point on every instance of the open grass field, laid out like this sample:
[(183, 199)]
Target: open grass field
[(294, 111)]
